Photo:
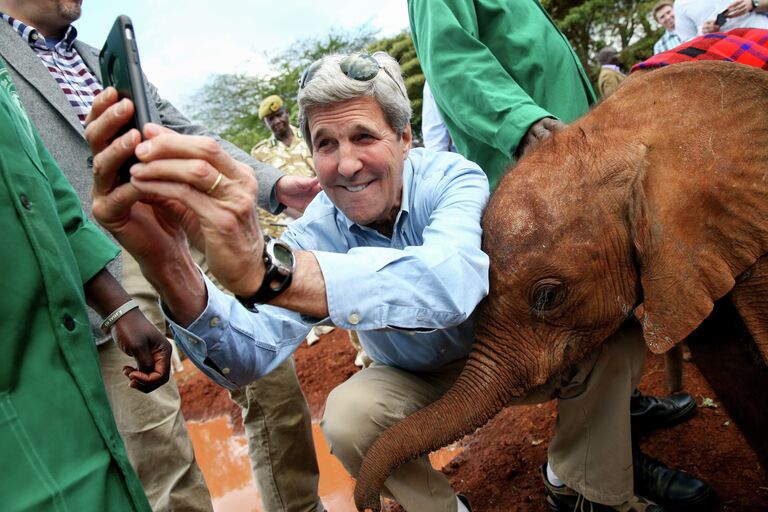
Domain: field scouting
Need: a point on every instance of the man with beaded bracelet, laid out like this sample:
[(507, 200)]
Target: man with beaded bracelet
[(60, 447)]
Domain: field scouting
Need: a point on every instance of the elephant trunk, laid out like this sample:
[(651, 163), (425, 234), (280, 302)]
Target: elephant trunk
[(478, 395)]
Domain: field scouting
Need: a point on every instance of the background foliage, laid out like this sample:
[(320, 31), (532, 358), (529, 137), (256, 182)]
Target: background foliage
[(229, 103)]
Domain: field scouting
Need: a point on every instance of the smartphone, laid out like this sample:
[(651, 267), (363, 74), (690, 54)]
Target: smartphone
[(721, 19), (121, 68)]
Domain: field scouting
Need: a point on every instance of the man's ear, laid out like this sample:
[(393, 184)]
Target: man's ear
[(406, 139)]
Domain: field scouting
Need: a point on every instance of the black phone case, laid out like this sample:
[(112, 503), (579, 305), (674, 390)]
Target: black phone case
[(121, 68), (721, 19)]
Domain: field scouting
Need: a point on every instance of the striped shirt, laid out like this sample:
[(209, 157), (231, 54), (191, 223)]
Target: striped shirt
[(666, 42), (64, 64)]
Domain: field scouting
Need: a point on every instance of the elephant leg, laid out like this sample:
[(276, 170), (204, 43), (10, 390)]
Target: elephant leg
[(750, 296), (673, 366)]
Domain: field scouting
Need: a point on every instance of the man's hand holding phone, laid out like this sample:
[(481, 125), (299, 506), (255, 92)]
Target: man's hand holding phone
[(148, 226), (183, 184)]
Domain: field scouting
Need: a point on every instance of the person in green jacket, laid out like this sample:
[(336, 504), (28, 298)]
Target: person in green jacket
[(502, 74), (59, 446)]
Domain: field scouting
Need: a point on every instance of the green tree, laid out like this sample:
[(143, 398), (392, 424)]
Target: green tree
[(592, 24)]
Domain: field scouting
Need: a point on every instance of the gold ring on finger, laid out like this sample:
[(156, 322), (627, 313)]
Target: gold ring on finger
[(215, 184)]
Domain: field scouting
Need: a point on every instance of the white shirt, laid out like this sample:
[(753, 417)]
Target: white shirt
[(436, 136), (690, 16)]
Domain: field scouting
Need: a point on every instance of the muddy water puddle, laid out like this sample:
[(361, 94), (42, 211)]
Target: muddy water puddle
[(223, 457)]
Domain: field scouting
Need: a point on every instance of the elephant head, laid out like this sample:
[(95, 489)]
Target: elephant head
[(650, 205)]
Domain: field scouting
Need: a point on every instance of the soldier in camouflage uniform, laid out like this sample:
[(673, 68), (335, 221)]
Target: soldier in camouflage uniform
[(285, 150)]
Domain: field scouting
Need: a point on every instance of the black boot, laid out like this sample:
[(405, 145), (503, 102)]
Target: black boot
[(672, 489), (649, 413)]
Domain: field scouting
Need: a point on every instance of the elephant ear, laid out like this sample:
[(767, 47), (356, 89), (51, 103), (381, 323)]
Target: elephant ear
[(699, 219)]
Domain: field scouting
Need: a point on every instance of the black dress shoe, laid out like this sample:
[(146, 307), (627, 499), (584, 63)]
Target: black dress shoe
[(650, 413), (672, 489)]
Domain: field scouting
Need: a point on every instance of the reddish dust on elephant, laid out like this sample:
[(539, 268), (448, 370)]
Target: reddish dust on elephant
[(649, 206)]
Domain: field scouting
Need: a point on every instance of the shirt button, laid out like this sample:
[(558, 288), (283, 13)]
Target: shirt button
[(214, 321), (89, 161), (25, 202), (193, 341), (354, 318), (225, 371), (69, 322), (34, 36)]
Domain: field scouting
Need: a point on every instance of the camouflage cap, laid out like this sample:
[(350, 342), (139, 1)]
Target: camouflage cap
[(270, 105)]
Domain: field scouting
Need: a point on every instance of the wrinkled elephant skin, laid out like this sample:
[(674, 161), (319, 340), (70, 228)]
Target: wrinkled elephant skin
[(652, 205)]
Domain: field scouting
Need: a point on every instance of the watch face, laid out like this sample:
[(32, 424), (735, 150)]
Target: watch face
[(282, 255)]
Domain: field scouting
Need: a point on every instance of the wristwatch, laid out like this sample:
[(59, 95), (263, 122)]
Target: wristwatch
[(280, 265), (755, 4)]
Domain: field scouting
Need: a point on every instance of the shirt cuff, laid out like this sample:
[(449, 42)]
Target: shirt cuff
[(204, 335), (512, 131)]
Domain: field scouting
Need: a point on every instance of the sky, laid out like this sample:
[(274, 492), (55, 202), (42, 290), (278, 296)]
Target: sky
[(183, 42)]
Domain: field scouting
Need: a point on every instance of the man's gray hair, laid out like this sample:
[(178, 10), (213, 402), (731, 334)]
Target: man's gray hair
[(328, 85)]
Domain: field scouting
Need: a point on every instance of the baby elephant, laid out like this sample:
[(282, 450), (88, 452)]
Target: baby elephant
[(655, 204)]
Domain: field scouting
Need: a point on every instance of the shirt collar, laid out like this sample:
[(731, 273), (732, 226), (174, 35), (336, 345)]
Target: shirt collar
[(405, 200), (614, 67), (35, 39)]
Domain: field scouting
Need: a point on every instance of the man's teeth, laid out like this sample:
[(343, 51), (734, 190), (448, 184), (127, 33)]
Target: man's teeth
[(356, 189)]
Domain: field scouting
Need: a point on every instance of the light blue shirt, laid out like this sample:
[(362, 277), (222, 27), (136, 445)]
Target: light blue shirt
[(410, 297)]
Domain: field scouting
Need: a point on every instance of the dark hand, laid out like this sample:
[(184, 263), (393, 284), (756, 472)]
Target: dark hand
[(539, 131), (138, 338), (296, 192)]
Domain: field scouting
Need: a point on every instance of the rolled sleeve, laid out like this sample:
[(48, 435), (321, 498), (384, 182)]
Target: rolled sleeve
[(92, 249), (234, 346)]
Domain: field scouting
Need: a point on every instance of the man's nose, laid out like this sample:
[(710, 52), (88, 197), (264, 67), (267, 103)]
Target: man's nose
[(349, 161)]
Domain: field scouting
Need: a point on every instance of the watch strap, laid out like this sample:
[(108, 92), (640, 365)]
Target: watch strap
[(265, 293)]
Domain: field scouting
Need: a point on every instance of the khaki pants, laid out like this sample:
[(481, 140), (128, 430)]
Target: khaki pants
[(279, 430), (155, 437), (591, 451)]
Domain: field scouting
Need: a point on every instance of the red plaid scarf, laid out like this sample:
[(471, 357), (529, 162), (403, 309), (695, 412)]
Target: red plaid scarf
[(743, 45)]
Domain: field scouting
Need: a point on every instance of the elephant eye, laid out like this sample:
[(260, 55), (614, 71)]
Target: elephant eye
[(546, 295)]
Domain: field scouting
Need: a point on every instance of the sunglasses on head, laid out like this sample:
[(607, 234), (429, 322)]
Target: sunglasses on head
[(357, 66)]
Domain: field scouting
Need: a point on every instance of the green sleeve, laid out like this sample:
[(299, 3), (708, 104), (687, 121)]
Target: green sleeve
[(92, 249), (471, 86)]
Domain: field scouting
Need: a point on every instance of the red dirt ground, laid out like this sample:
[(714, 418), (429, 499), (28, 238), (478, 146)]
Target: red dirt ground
[(498, 468)]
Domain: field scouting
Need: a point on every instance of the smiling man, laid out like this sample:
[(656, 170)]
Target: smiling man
[(390, 248), (664, 14)]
